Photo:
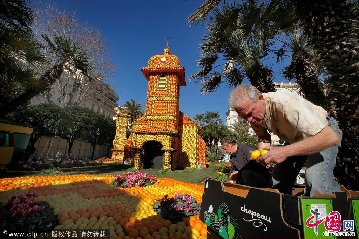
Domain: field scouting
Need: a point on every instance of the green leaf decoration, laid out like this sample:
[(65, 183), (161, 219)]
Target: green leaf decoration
[(208, 221), (231, 230), (219, 212), (223, 232)]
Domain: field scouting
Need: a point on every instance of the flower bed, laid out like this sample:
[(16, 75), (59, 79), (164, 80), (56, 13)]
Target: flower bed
[(23, 214), (178, 207), (85, 201), (131, 179)]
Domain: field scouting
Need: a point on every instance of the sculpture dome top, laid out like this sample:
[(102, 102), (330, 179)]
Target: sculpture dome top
[(165, 62)]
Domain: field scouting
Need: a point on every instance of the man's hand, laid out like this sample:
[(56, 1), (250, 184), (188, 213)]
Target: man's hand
[(274, 155)]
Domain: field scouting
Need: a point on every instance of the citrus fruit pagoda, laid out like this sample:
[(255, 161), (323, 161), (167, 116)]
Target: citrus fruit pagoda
[(162, 121), (92, 202)]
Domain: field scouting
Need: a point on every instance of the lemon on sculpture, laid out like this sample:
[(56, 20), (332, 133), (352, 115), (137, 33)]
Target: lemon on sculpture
[(255, 154)]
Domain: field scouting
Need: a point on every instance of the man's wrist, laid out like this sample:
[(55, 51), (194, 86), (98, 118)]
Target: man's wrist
[(289, 150)]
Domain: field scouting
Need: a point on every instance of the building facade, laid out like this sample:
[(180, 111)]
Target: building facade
[(79, 90), (76, 90), (100, 98), (231, 118), (288, 86)]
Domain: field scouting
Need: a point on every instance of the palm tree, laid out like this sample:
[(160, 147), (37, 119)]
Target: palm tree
[(22, 57), (18, 51), (212, 129), (69, 57), (242, 35), (332, 28), (133, 108), (306, 69), (240, 132)]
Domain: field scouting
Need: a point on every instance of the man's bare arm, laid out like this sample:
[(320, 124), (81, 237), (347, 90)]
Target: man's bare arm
[(324, 139), (314, 144)]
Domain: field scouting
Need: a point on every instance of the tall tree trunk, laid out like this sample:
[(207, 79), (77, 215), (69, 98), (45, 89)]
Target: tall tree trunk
[(33, 139), (304, 71), (93, 146), (71, 144), (332, 28)]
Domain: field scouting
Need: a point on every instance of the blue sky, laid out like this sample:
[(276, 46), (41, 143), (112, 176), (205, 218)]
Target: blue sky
[(136, 30)]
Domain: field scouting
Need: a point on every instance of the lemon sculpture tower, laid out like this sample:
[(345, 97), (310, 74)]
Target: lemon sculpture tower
[(164, 137), (119, 142)]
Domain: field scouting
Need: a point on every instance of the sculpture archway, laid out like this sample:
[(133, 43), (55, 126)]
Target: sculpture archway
[(152, 154)]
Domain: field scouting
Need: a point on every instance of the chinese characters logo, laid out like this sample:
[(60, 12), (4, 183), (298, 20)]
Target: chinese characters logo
[(332, 222)]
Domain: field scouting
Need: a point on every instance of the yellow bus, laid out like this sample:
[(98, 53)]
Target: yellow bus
[(12, 137)]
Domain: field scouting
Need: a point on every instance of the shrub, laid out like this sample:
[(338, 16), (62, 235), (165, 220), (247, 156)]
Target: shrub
[(131, 179), (174, 209), (50, 171), (212, 157), (223, 168), (165, 171), (219, 176)]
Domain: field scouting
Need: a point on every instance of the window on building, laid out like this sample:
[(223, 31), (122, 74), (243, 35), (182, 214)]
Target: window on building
[(162, 83)]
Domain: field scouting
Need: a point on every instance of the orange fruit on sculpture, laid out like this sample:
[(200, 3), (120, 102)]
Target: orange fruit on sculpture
[(152, 228), (143, 231), (203, 231), (198, 226), (133, 232)]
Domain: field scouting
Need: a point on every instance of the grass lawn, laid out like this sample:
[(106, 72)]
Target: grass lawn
[(187, 175)]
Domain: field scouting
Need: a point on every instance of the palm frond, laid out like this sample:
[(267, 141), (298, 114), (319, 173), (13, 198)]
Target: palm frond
[(211, 83), (205, 64), (202, 12), (233, 75), (68, 52)]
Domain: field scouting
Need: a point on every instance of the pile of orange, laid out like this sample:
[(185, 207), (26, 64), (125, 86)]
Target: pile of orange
[(91, 202)]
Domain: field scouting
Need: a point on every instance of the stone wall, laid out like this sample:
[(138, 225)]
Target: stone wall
[(48, 147)]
